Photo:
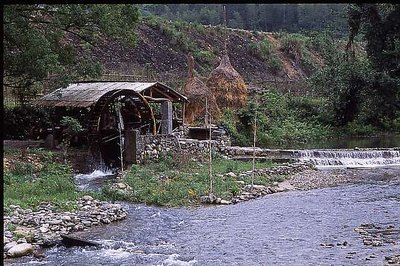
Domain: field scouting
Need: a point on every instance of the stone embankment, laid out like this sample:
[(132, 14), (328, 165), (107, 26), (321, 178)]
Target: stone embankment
[(26, 230)]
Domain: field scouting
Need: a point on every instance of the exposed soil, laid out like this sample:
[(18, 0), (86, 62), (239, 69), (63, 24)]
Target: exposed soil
[(158, 56)]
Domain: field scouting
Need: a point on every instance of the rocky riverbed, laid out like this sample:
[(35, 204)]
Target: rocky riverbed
[(25, 230), (250, 191)]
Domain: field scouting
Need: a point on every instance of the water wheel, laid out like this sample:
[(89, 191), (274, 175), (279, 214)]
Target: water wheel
[(113, 114)]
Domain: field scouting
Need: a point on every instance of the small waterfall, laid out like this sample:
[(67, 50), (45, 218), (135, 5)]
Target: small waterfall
[(350, 158), (93, 181)]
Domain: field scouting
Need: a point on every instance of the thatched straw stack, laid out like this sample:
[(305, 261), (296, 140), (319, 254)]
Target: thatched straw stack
[(227, 85), (197, 93)]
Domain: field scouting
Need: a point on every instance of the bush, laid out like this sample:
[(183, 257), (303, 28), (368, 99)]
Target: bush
[(295, 46), (282, 121), (203, 56), (23, 122), (262, 49), (355, 128)]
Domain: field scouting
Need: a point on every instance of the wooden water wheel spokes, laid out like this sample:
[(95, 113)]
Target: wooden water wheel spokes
[(107, 124)]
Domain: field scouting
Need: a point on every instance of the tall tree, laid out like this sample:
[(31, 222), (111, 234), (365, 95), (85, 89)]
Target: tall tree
[(381, 25), (42, 42)]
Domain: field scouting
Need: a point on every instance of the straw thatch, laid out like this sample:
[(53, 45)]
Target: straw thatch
[(197, 93), (227, 85)]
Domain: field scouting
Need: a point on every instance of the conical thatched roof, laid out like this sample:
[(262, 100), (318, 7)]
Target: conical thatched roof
[(197, 93), (227, 85)]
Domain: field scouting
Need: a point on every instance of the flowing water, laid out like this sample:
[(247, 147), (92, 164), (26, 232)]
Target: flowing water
[(313, 227), (94, 181), (350, 158)]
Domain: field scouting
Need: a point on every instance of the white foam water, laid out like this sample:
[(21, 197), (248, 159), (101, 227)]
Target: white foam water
[(173, 259), (94, 175), (351, 158), (93, 180)]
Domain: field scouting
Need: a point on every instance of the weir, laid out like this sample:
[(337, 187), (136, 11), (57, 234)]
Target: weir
[(323, 158), (350, 158)]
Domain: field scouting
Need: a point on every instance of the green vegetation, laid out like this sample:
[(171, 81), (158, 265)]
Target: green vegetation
[(36, 53), (176, 180), (176, 31), (295, 46), (363, 91), (22, 122), (282, 120), (28, 181), (264, 50), (261, 17), (172, 180)]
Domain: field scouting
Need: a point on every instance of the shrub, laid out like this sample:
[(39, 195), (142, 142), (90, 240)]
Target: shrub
[(295, 46), (262, 49), (203, 56), (282, 121), (23, 122), (355, 128)]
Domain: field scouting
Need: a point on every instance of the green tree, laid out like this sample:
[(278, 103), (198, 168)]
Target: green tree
[(47, 43), (366, 90), (381, 26)]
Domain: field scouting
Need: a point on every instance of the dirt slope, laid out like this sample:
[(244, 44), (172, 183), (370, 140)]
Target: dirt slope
[(162, 48)]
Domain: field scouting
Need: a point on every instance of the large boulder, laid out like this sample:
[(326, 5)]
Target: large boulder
[(20, 250)]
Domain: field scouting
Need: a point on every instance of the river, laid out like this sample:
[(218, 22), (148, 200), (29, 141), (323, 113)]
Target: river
[(313, 227)]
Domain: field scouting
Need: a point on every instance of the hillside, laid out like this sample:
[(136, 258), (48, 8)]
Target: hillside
[(260, 57)]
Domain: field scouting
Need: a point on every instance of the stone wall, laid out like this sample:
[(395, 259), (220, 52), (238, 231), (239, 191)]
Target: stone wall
[(151, 147)]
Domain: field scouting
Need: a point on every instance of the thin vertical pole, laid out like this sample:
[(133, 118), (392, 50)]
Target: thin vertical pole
[(225, 33), (121, 138), (254, 144), (210, 148), (183, 114)]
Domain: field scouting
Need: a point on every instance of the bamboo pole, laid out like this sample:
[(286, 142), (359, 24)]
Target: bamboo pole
[(210, 148), (254, 144)]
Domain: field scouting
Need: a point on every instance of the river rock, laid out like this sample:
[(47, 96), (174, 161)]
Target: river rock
[(8, 246), (231, 174), (225, 202), (256, 187), (20, 250), (55, 222), (87, 198)]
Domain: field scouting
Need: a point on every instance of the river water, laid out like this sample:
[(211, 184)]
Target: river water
[(313, 227)]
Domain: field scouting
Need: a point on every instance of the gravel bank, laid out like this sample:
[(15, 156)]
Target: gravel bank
[(27, 230), (312, 179)]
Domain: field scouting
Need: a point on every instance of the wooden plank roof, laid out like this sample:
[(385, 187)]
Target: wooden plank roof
[(84, 94)]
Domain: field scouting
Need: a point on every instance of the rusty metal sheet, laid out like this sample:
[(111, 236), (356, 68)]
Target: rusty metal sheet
[(87, 93)]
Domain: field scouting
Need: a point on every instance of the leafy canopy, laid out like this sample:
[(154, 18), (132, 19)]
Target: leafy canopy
[(49, 43)]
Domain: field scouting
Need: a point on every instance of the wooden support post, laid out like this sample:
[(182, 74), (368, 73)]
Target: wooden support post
[(166, 117), (131, 137)]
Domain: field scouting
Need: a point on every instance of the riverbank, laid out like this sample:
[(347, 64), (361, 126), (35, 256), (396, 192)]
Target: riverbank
[(26, 231)]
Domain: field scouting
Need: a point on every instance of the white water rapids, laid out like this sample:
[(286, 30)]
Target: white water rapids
[(350, 158)]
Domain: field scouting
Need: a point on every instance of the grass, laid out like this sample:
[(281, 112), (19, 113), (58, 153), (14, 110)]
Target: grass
[(27, 185), (175, 180)]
